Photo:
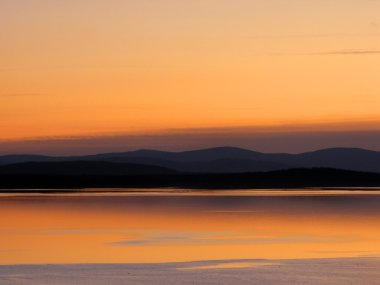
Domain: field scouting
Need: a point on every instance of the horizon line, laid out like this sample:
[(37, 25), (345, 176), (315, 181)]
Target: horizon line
[(193, 149)]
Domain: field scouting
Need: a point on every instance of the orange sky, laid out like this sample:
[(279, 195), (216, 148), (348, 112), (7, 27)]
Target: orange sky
[(74, 68)]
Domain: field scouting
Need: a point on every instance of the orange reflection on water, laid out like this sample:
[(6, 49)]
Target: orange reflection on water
[(113, 229)]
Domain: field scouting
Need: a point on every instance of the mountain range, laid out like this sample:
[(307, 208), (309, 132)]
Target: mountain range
[(212, 160)]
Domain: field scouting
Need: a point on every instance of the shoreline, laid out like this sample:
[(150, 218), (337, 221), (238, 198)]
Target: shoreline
[(337, 271), (284, 179), (312, 191)]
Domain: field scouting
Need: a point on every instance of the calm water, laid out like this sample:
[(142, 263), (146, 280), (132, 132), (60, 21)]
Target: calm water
[(111, 226)]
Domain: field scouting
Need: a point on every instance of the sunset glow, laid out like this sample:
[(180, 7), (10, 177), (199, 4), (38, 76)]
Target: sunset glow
[(85, 68)]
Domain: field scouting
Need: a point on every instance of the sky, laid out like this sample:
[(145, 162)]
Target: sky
[(81, 76)]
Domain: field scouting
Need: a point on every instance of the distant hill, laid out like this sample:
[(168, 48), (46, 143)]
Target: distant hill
[(226, 159), (344, 158), (82, 168), (19, 158)]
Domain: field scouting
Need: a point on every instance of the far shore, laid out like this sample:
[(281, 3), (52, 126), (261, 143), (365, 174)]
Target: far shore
[(337, 271), (283, 179), (308, 191)]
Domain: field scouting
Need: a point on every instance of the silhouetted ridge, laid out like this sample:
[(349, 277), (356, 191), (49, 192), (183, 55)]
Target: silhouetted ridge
[(292, 178), (228, 159), (19, 158), (82, 168)]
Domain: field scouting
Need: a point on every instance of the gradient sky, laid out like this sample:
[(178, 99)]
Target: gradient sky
[(106, 70)]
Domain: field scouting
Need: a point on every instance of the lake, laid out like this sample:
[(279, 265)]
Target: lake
[(176, 225)]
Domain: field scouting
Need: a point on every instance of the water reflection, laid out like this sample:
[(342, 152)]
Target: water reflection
[(105, 228)]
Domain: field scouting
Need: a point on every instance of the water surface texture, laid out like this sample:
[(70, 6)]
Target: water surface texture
[(174, 225)]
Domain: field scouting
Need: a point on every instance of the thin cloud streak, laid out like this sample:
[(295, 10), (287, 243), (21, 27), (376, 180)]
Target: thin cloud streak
[(311, 36), (280, 141), (22, 94), (335, 52), (348, 52)]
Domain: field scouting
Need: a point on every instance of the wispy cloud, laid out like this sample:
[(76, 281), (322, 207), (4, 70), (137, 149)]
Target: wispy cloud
[(281, 138), (335, 52), (347, 52), (307, 36), (31, 94)]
